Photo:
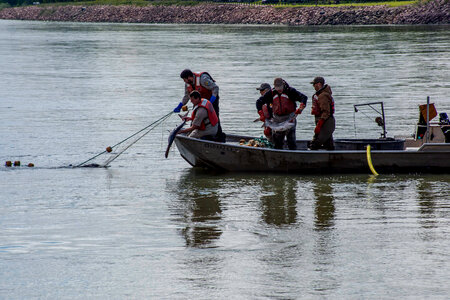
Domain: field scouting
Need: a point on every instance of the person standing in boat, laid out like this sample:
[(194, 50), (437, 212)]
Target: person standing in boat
[(323, 110), (206, 86), (204, 119), (267, 110), (283, 99)]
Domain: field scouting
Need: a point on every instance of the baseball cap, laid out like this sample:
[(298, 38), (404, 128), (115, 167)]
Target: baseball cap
[(317, 80), (263, 86)]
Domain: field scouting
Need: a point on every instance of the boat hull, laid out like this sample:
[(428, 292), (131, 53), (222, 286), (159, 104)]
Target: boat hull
[(237, 158)]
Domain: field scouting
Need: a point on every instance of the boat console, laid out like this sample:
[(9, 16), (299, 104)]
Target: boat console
[(439, 132)]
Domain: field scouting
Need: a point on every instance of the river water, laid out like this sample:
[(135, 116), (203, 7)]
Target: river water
[(154, 228)]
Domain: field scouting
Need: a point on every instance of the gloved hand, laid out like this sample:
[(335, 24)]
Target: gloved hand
[(268, 132), (212, 99), (319, 126), (184, 108), (261, 116), (178, 108), (300, 109)]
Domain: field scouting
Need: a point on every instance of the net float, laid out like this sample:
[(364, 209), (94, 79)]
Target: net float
[(108, 149), (8, 163)]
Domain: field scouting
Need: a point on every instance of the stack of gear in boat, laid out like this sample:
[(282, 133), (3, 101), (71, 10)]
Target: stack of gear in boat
[(261, 142)]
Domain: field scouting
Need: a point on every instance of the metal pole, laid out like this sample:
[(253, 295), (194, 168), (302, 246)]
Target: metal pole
[(428, 120)]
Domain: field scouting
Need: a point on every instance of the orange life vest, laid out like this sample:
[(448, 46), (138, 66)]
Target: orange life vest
[(212, 116), (204, 92), (315, 109), (282, 105)]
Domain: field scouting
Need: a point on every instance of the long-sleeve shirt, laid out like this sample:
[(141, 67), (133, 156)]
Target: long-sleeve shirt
[(206, 82)]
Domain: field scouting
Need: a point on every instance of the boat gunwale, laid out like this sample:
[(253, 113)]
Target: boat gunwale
[(322, 151)]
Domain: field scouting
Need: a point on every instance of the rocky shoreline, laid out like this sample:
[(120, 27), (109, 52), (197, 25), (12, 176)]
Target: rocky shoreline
[(431, 12)]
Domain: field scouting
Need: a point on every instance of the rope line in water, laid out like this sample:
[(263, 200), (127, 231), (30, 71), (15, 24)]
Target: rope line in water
[(108, 161), (155, 123)]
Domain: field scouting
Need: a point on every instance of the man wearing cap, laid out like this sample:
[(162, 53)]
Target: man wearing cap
[(323, 111), (267, 110), (282, 98), (263, 88)]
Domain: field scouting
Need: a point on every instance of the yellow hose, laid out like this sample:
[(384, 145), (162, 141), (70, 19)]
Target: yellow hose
[(369, 161)]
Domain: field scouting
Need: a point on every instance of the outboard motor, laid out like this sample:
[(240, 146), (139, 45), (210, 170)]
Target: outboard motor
[(445, 126)]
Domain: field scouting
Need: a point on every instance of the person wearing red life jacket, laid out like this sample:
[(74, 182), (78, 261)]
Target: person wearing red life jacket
[(323, 111), (208, 89), (282, 98), (267, 110), (204, 119)]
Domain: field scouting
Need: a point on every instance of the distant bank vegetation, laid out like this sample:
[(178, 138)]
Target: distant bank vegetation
[(208, 12), (15, 3)]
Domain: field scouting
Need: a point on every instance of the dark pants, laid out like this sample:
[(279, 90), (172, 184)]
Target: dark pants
[(278, 138), (220, 136), (324, 140), (216, 108)]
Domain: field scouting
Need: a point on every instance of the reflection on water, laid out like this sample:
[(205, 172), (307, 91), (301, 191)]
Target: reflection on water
[(198, 207), (426, 203), (278, 202), (203, 197), (429, 195), (324, 205)]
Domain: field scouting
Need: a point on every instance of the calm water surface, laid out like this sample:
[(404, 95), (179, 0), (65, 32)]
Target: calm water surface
[(154, 228)]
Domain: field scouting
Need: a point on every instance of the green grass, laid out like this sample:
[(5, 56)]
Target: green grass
[(387, 3)]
